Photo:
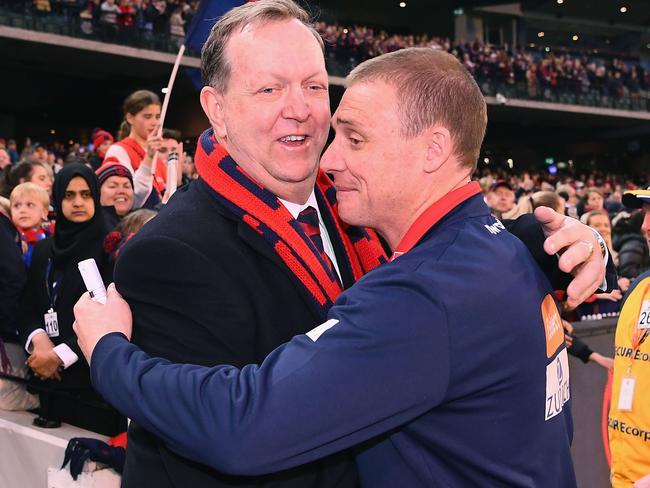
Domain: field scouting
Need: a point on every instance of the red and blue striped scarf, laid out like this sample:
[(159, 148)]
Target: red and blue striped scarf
[(262, 211)]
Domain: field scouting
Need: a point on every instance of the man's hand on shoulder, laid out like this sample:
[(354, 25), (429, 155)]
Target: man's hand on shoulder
[(580, 252), (94, 320)]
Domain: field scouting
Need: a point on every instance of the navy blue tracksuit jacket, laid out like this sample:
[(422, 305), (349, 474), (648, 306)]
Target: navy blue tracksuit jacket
[(444, 366)]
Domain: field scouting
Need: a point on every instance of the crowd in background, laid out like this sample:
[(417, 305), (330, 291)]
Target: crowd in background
[(118, 20), (532, 71), (595, 199), (60, 206), (538, 72)]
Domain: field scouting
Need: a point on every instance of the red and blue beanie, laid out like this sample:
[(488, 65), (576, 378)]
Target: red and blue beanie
[(106, 170)]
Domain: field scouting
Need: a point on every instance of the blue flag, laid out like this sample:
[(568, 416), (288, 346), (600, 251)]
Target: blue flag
[(206, 15)]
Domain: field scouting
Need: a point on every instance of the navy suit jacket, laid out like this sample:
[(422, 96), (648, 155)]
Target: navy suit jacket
[(206, 289)]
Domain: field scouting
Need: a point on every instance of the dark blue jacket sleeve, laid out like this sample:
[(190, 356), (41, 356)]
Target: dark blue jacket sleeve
[(384, 362)]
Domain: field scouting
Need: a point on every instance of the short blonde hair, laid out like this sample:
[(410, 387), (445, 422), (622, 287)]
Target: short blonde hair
[(31, 189), (215, 66), (432, 88)]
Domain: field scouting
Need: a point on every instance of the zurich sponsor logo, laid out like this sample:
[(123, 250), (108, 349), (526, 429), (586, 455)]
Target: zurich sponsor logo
[(557, 385)]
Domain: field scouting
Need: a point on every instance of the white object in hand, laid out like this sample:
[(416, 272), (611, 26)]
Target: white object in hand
[(172, 175), (93, 280)]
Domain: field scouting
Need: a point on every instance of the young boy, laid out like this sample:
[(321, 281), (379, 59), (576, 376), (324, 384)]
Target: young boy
[(29, 207)]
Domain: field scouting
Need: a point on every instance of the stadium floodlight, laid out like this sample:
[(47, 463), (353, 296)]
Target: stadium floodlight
[(575, 37), (540, 34), (623, 9), (402, 4), (560, 2)]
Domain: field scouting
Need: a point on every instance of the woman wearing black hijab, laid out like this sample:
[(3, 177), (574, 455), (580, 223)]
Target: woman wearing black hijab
[(54, 285)]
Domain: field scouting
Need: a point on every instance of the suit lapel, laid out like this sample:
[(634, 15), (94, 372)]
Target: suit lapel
[(261, 246), (342, 259)]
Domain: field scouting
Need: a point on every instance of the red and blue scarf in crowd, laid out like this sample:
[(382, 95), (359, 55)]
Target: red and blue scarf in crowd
[(31, 237), (263, 212)]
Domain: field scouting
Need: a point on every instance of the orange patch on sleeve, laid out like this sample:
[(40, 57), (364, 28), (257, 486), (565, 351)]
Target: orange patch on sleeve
[(552, 326)]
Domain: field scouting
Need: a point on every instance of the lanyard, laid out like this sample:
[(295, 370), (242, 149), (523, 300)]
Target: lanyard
[(638, 335), (51, 289), (432, 215)]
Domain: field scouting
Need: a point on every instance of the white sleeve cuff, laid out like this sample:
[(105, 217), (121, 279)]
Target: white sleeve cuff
[(66, 355), (28, 342)]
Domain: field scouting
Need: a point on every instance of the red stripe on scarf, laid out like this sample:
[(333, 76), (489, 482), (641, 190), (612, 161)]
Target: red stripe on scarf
[(278, 220), (296, 251)]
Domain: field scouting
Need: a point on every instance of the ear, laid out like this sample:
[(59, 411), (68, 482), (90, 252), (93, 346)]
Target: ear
[(212, 103), (129, 118), (439, 147), (44, 215)]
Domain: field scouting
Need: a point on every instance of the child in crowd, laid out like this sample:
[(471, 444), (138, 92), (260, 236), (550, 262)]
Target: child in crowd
[(126, 229), (29, 208)]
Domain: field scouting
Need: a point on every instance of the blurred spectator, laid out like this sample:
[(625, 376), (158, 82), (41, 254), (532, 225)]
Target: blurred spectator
[(53, 287), (599, 220), (108, 18), (24, 172), (189, 170), (5, 159), (12, 150), (177, 26), (138, 143), (12, 278), (116, 192), (102, 140), (170, 144), (29, 209), (500, 198), (601, 303), (631, 245), (593, 201), (126, 229)]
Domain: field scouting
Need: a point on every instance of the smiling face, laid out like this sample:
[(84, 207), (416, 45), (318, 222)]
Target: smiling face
[(118, 192), (77, 204), (274, 115), (374, 166)]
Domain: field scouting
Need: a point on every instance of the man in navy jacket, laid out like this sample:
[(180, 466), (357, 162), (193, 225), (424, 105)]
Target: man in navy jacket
[(446, 366)]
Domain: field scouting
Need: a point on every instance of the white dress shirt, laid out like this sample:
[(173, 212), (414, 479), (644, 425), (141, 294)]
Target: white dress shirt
[(295, 209)]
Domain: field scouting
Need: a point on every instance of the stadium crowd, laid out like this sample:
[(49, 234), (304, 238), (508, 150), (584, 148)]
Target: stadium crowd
[(534, 71), (118, 20)]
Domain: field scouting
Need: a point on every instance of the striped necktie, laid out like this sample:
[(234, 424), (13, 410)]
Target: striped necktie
[(308, 219)]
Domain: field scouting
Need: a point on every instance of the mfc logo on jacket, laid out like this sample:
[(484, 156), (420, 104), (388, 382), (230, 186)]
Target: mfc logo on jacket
[(496, 227)]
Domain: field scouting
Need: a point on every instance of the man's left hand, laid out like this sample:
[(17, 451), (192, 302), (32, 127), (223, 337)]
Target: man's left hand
[(580, 253), (94, 320)]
